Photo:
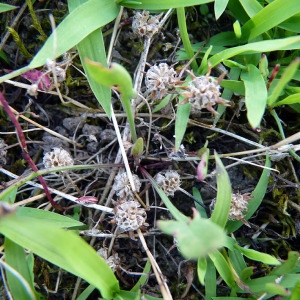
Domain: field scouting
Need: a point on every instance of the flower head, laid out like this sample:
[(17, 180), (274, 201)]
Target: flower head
[(169, 182), (123, 188), (129, 215), (113, 261), (57, 158), (145, 24), (159, 80), (204, 92)]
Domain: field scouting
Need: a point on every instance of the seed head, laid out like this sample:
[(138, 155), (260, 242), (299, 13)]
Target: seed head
[(238, 207), (204, 92), (169, 182), (145, 24), (159, 80), (123, 188), (129, 215), (57, 158)]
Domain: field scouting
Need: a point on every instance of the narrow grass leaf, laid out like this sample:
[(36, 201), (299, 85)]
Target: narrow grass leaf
[(143, 279), (199, 208), (93, 47), (210, 280), (296, 292), (6, 7), (251, 7), (9, 197), (256, 95), (196, 238), (270, 16), (289, 43), (237, 260), (51, 218), (223, 268), (233, 85), (201, 269), (291, 24), (219, 7), (292, 99), (285, 78), (258, 256), (62, 248), (93, 14), (15, 256), (173, 210), (159, 4), (182, 117), (253, 204), (163, 103), (223, 201), (287, 266)]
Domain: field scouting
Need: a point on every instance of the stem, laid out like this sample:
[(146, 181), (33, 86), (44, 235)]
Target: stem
[(185, 36)]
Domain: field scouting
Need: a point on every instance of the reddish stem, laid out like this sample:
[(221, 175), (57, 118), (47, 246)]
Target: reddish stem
[(25, 154)]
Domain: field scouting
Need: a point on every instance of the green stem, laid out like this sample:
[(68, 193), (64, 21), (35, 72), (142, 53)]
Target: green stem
[(275, 116), (185, 36)]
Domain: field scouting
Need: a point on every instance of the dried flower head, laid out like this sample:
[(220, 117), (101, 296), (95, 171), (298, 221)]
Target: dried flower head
[(169, 182), (123, 188), (113, 261), (57, 158), (238, 208), (129, 215), (159, 80), (204, 92), (3, 152), (145, 24)]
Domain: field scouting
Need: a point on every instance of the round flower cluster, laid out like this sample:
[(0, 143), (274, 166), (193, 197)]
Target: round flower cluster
[(129, 215), (239, 206), (204, 92), (123, 188), (57, 158), (169, 182), (159, 80), (145, 24)]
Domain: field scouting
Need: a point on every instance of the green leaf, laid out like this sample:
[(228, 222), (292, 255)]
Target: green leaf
[(270, 16), (289, 43), (219, 7), (251, 7), (196, 238), (173, 210), (160, 5), (118, 77), (253, 204), (15, 256), (258, 256), (163, 103), (9, 197), (287, 266), (285, 78), (93, 14), (52, 218), (221, 210), (143, 279), (256, 95), (6, 7), (210, 280), (296, 292), (223, 268), (292, 99), (62, 248), (201, 269), (93, 47), (182, 117)]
